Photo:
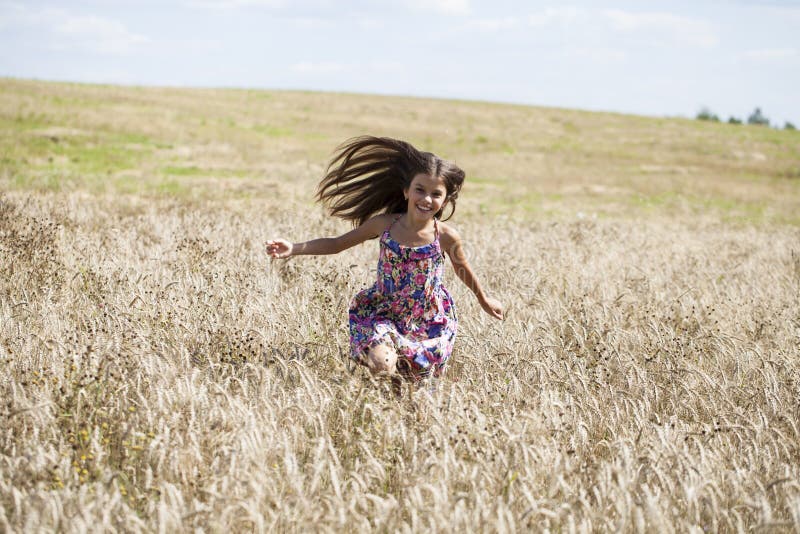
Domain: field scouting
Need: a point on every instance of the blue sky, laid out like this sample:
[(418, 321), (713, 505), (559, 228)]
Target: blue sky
[(662, 58)]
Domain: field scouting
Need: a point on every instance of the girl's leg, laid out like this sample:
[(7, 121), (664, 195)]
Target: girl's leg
[(382, 360)]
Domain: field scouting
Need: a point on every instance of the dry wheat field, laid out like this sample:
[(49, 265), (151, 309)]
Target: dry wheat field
[(159, 373)]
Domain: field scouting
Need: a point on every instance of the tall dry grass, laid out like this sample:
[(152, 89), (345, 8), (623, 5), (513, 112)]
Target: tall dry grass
[(159, 373)]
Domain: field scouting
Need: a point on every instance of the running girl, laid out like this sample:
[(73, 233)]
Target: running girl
[(406, 322)]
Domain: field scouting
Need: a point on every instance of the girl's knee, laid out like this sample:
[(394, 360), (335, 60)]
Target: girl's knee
[(382, 360)]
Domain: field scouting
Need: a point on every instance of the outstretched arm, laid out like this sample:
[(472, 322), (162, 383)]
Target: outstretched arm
[(454, 247), (281, 248)]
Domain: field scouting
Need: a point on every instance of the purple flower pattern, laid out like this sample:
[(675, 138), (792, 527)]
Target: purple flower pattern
[(407, 308)]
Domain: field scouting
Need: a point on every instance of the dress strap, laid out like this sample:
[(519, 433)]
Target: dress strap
[(436, 240), (392, 224)]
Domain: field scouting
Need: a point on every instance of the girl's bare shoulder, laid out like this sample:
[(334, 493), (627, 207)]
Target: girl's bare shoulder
[(448, 235), (380, 221), (447, 228)]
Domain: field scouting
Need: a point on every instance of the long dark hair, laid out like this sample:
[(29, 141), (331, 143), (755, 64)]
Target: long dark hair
[(367, 176)]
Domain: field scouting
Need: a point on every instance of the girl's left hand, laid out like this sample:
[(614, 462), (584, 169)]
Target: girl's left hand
[(492, 307)]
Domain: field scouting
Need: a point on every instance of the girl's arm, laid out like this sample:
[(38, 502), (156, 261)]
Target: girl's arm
[(454, 247), (281, 248)]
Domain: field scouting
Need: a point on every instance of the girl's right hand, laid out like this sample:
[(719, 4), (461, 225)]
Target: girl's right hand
[(279, 248)]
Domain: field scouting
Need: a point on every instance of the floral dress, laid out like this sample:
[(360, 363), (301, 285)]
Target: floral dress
[(407, 308)]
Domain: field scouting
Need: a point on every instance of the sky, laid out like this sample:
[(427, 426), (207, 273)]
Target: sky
[(658, 58)]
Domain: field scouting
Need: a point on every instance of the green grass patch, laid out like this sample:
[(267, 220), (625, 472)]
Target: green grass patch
[(45, 181), (485, 180), (193, 170), (78, 153), (22, 122), (97, 159), (172, 188), (273, 131), (183, 171), (654, 202)]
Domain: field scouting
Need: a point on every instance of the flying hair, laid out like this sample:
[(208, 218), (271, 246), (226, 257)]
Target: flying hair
[(367, 176)]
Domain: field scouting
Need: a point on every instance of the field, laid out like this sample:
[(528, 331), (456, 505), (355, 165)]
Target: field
[(158, 372)]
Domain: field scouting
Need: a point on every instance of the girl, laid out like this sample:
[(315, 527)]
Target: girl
[(406, 322)]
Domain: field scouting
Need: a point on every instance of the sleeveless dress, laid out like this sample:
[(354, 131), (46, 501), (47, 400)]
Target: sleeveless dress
[(407, 308)]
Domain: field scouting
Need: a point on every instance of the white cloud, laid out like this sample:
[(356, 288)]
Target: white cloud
[(59, 29), (597, 54), (98, 34), (385, 67), (447, 7), (654, 26), (14, 14), (333, 67), (368, 23), (560, 16), (319, 67), (769, 54), (492, 24), (680, 29), (338, 9), (234, 4), (8, 12), (311, 23)]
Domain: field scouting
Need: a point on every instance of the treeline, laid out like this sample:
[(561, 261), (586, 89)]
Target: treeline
[(756, 118)]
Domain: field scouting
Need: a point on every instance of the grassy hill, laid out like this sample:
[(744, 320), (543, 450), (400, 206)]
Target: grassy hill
[(158, 372), (538, 162)]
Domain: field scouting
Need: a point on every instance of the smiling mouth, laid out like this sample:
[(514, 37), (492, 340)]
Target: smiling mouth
[(420, 208)]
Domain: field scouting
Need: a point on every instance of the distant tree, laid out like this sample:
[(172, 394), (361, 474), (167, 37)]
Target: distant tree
[(706, 114), (734, 120), (757, 118), (789, 126)]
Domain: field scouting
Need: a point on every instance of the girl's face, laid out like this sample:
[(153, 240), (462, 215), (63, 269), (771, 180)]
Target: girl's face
[(426, 196)]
